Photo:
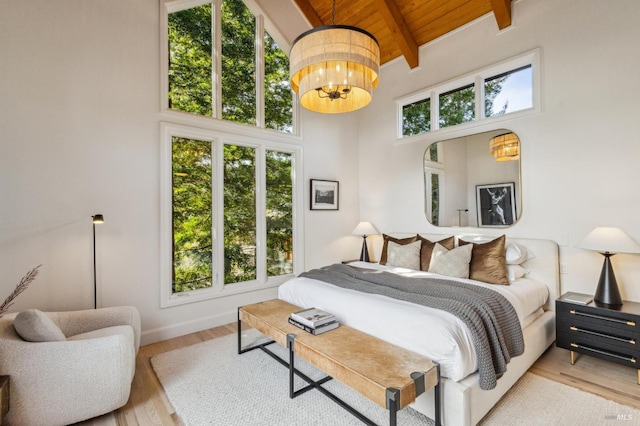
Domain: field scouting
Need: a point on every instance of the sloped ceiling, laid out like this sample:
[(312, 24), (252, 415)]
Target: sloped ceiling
[(401, 26)]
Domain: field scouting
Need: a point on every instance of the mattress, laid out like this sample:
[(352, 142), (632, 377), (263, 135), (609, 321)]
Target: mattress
[(435, 334)]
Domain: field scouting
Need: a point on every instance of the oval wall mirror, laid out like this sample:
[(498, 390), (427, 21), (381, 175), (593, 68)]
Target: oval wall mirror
[(474, 181)]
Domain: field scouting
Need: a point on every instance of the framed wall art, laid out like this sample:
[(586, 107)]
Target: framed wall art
[(495, 204), (324, 194)]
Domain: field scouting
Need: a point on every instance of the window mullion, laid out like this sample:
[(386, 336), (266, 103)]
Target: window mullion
[(218, 213), (261, 215), (216, 59), (260, 72)]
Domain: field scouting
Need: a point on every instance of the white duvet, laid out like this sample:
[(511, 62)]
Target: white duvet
[(438, 335)]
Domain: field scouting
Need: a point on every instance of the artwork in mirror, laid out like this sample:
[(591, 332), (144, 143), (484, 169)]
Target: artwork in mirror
[(455, 168)]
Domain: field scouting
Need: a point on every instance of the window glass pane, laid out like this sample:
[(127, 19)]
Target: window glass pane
[(278, 97), (239, 214), (190, 72), (435, 198), (509, 92), (238, 63), (192, 212), (433, 152), (416, 118), (457, 106), (279, 213)]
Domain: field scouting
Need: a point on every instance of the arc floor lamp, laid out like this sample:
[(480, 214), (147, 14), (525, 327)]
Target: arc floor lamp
[(97, 220)]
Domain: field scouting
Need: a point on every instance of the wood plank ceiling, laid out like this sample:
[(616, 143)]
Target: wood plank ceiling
[(401, 26)]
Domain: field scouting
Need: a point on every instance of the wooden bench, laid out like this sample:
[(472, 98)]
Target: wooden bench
[(388, 375)]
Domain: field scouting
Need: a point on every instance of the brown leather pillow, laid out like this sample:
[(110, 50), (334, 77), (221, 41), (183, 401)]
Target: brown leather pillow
[(488, 263), (401, 241), (427, 249)]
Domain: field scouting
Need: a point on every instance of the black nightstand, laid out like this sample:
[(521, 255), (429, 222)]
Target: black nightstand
[(609, 334)]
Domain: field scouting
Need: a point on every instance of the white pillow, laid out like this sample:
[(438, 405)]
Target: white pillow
[(515, 254), (35, 326), (516, 271), (404, 255), (452, 263)]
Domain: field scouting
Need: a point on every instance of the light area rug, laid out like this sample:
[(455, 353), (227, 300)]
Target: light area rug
[(210, 384)]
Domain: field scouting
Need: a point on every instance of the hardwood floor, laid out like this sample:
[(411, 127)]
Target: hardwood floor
[(148, 404)]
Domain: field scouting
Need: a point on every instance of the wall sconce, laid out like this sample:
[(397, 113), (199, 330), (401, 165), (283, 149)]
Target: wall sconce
[(97, 219), (364, 229)]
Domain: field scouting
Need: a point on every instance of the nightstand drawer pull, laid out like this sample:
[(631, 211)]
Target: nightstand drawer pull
[(587, 348), (607, 336), (619, 321)]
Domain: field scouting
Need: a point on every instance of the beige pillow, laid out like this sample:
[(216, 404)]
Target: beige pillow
[(35, 326), (427, 249), (404, 256), (488, 263), (452, 263), (385, 245)]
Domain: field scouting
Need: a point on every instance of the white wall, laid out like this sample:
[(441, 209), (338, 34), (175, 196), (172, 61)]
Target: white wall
[(579, 155), (79, 134)]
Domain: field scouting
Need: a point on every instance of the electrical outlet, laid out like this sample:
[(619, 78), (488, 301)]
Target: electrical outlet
[(564, 269)]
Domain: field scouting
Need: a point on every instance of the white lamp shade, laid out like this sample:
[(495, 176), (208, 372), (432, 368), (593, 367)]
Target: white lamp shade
[(609, 239), (364, 228)]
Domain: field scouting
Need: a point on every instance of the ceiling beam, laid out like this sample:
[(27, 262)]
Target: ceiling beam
[(398, 27), (502, 12), (309, 13)]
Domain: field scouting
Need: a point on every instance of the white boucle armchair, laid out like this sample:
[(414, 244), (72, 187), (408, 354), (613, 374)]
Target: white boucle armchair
[(86, 374)]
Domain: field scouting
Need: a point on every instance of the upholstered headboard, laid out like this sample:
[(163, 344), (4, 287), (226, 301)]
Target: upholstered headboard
[(543, 267)]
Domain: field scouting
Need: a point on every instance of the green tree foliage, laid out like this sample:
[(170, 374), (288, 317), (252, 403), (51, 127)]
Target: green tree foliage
[(192, 214), (190, 62), (455, 107), (278, 97), (239, 214), (279, 213), (238, 63)]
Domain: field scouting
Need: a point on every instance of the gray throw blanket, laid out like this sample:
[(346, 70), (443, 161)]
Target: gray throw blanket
[(493, 322)]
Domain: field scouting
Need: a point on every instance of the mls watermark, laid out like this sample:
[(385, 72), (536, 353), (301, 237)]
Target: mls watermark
[(624, 417)]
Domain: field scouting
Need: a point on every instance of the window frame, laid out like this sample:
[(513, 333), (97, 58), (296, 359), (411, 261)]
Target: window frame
[(475, 78), (218, 139), (262, 25)]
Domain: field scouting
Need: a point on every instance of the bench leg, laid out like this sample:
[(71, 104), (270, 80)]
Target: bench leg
[(437, 396), (393, 395)]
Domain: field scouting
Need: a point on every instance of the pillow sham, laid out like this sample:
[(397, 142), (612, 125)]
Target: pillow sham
[(517, 254), (35, 326), (404, 255), (452, 263), (488, 263), (426, 249), (515, 271), (385, 245)]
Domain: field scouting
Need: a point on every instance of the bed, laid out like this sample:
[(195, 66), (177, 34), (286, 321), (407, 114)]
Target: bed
[(441, 336)]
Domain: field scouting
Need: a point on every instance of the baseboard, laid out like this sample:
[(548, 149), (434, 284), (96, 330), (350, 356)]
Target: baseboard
[(187, 327)]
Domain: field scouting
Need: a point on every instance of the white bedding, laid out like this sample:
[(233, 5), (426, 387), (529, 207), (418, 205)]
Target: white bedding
[(438, 335)]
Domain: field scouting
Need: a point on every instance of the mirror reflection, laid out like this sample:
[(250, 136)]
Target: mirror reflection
[(474, 181)]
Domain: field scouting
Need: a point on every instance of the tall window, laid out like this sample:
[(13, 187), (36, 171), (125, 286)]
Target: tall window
[(229, 208), (222, 63)]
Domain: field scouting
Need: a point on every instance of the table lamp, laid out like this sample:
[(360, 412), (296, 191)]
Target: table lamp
[(364, 229), (608, 241)]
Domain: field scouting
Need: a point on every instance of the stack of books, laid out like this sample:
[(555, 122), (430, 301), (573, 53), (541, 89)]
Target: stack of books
[(314, 321)]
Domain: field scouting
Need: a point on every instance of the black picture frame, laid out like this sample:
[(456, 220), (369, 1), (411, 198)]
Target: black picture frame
[(495, 205), (324, 194)]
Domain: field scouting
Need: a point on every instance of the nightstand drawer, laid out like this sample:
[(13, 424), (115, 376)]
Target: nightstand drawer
[(599, 332), (585, 346), (614, 320)]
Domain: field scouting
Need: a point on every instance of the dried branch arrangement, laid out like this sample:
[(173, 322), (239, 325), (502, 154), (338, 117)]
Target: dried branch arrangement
[(22, 286)]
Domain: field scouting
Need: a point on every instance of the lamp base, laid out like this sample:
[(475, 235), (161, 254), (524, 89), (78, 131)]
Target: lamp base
[(364, 254), (607, 293)]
